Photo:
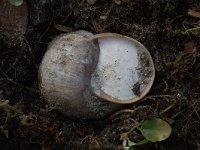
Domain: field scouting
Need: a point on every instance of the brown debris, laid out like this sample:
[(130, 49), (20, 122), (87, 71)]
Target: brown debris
[(189, 47), (194, 13), (118, 2), (91, 2), (63, 28), (13, 20)]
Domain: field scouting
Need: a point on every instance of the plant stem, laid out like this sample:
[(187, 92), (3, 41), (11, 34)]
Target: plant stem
[(142, 142)]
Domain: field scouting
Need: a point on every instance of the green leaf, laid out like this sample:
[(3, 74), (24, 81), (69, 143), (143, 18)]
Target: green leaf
[(155, 129), (16, 2)]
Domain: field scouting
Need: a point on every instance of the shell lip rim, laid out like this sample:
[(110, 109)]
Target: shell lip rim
[(148, 86)]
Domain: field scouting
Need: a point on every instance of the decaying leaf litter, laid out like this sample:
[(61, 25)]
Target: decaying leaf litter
[(164, 27)]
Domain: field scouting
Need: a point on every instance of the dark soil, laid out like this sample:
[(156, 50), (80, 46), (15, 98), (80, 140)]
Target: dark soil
[(163, 26)]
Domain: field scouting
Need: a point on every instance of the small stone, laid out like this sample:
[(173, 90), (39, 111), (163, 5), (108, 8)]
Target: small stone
[(103, 17)]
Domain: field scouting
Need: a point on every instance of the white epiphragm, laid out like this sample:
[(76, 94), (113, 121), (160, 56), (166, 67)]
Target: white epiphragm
[(116, 71)]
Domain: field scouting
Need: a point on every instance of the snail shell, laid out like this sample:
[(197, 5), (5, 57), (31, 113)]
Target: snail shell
[(88, 76), (65, 74)]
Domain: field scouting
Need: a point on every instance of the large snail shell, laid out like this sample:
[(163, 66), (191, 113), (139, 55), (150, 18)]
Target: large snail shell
[(65, 75), (88, 76)]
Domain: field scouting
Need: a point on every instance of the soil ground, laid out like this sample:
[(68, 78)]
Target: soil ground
[(163, 26)]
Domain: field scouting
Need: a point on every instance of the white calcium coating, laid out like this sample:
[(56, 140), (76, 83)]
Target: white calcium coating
[(116, 71)]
